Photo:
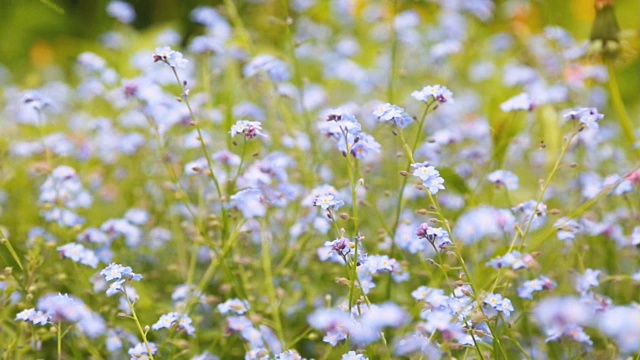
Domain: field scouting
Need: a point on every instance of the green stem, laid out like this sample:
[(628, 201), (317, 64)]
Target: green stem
[(59, 340), (12, 251), (394, 51), (547, 182), (134, 316), (271, 291), (445, 223), (238, 24), (204, 150), (616, 98)]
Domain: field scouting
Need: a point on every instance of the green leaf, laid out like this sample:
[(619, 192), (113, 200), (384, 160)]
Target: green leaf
[(454, 181)]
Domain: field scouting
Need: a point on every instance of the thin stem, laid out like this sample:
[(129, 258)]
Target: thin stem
[(271, 291), (456, 251), (203, 145), (394, 51), (244, 150), (616, 98), (134, 316), (59, 340), (547, 182)]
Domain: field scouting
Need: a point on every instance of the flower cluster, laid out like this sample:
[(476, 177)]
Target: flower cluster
[(181, 321), (53, 309), (589, 117), (274, 68), (349, 138), (61, 194), (170, 57), (504, 178), (121, 274), (430, 177), (394, 115), (436, 92), (249, 129)]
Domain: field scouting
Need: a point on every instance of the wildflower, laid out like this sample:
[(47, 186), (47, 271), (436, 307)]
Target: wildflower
[(393, 114), (137, 216), (122, 11), (36, 100), (531, 208), (379, 263), (61, 194), (505, 307), (238, 323), (274, 68), (475, 224), (503, 177), (77, 253), (493, 300), (513, 259), (235, 306), (253, 337), (567, 228), (165, 321), (563, 317), (430, 177), (288, 355), (587, 116), (326, 201), (587, 280), (623, 325), (117, 271), (249, 129), (170, 57), (529, 287), (183, 323), (521, 102), (250, 202), (258, 353), (364, 146), (34, 316), (438, 93), (140, 351), (56, 308), (352, 355)]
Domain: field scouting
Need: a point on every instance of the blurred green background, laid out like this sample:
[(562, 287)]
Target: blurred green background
[(39, 33)]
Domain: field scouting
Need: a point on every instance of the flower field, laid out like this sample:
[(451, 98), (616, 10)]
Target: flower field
[(327, 180)]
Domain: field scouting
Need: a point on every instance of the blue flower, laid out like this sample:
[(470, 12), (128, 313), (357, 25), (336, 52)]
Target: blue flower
[(430, 177), (503, 177), (235, 306), (393, 114), (274, 68), (436, 92), (78, 253), (587, 116), (326, 201), (250, 203), (183, 323), (117, 271), (521, 102), (170, 57), (249, 129), (140, 351), (587, 280), (122, 11), (352, 355), (567, 228)]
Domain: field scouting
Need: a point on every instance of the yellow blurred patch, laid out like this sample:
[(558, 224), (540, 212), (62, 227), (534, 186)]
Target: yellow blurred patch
[(41, 54), (583, 10)]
